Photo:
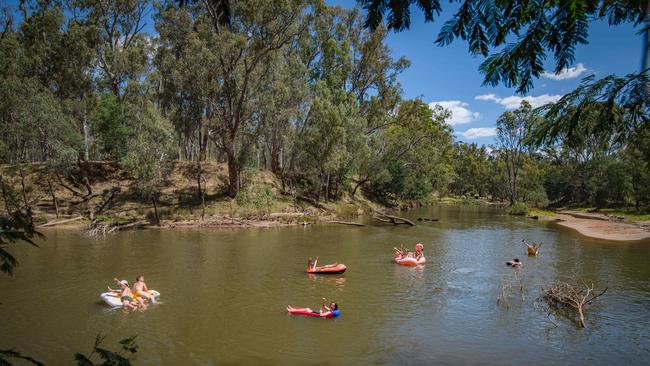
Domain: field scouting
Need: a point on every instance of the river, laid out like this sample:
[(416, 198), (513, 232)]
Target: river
[(224, 294)]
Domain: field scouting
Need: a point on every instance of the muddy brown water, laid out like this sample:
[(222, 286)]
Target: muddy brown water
[(224, 294)]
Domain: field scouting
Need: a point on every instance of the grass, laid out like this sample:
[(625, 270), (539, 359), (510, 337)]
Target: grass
[(459, 201), (629, 214)]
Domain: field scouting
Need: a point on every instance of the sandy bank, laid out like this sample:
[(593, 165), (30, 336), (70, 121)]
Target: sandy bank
[(601, 227)]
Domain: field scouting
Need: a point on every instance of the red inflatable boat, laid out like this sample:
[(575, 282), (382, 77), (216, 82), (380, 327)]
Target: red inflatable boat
[(339, 268), (307, 312)]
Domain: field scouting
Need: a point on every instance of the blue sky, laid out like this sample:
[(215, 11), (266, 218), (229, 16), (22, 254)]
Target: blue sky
[(450, 75)]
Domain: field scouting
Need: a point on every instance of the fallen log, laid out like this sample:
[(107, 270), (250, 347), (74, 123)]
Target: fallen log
[(395, 220), (426, 219), (345, 223), (53, 223)]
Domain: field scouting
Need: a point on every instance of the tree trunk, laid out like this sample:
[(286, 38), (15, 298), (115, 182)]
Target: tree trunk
[(155, 210), (359, 184), (84, 126), (54, 201), (233, 175)]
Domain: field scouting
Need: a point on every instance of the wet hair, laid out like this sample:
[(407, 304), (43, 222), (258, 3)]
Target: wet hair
[(336, 306), (516, 260)]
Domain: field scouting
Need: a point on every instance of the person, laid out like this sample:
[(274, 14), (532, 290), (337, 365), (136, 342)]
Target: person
[(514, 263), (311, 265), (332, 310), (140, 290), (419, 248), (125, 294)]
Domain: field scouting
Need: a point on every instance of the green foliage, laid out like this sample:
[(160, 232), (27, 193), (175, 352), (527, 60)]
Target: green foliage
[(259, 197), (113, 127), (15, 227), (413, 155), (518, 208), (107, 357), (148, 153), (537, 27)]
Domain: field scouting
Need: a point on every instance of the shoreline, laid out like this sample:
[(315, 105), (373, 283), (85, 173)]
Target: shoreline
[(592, 225), (599, 226)]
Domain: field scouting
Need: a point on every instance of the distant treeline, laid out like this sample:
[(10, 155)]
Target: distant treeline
[(299, 88)]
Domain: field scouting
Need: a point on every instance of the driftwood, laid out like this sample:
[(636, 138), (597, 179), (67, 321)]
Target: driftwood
[(346, 223), (104, 228), (563, 295), (426, 219), (392, 219), (53, 223)]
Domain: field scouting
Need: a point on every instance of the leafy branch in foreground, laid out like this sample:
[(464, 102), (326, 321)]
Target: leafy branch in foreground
[(16, 225), (109, 358), (612, 106), (537, 27), (5, 355)]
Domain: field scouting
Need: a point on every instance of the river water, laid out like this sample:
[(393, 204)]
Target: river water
[(224, 294)]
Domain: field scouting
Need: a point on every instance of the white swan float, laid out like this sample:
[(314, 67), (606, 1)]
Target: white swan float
[(113, 300)]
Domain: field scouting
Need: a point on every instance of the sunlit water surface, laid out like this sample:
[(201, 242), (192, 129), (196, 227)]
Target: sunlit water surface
[(224, 294)]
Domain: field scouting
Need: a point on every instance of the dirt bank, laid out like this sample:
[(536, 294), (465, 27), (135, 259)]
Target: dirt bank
[(601, 226)]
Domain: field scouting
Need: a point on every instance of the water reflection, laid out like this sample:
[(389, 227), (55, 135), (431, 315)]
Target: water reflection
[(225, 293)]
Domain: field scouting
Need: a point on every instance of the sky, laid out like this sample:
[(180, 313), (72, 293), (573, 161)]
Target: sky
[(450, 76)]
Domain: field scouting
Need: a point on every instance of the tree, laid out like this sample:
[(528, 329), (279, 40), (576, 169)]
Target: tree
[(472, 170), (148, 156), (416, 152), (512, 128)]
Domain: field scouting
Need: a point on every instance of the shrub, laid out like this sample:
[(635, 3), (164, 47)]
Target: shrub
[(259, 197), (518, 208)]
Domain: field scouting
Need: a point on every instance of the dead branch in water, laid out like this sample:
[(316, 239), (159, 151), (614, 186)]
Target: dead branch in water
[(346, 223), (395, 220), (562, 295), (105, 228)]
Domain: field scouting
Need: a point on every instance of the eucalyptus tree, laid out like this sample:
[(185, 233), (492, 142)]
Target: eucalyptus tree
[(149, 154), (412, 156), (353, 85), (471, 168), (233, 66), (512, 129), (43, 69)]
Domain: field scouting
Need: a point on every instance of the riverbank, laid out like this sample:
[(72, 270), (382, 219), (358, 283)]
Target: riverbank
[(102, 194), (598, 225)]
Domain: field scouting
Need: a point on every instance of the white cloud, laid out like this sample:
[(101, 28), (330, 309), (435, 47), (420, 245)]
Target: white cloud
[(459, 112), (566, 73), (514, 101), (474, 133)]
